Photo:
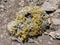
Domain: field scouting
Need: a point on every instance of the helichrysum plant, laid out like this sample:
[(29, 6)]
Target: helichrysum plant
[(30, 22)]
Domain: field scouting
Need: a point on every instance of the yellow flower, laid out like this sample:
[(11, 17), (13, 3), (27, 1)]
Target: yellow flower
[(18, 32), (17, 21), (21, 16)]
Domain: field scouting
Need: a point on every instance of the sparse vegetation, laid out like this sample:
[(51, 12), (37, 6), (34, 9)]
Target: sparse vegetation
[(29, 23)]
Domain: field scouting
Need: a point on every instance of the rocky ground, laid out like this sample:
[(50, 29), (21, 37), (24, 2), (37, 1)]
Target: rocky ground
[(8, 9)]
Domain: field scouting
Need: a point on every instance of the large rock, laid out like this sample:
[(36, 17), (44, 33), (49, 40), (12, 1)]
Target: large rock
[(55, 34), (55, 18), (50, 5), (9, 24), (53, 2), (52, 34), (56, 14), (58, 4), (35, 2), (56, 21)]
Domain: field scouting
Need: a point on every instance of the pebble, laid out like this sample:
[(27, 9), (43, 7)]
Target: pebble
[(56, 14), (9, 25), (57, 34), (18, 44), (51, 39), (48, 7), (56, 21), (52, 34), (2, 6), (49, 20), (49, 43), (0, 21), (35, 0), (21, 3), (29, 0), (45, 33), (31, 4), (12, 0), (1, 36)]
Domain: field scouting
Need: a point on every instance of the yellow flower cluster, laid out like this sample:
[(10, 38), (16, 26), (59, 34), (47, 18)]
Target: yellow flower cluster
[(28, 23)]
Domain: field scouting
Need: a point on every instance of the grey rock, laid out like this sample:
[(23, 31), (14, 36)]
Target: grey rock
[(55, 18), (58, 4), (2, 6), (31, 4), (49, 43), (1, 36), (35, 0), (53, 2), (57, 34), (56, 21), (45, 33), (52, 34), (18, 44), (11, 23), (56, 14), (21, 3), (51, 39), (48, 7), (49, 20)]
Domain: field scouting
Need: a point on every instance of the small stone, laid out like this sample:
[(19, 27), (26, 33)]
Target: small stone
[(2, 10), (18, 44), (29, 0), (0, 21), (49, 20), (58, 4), (12, 0), (49, 43), (58, 10), (0, 0), (31, 4), (21, 3), (1, 36), (1, 6), (35, 0), (56, 21), (45, 33), (56, 14), (9, 24), (5, 1), (51, 39), (57, 34), (13, 38), (52, 34), (31, 41)]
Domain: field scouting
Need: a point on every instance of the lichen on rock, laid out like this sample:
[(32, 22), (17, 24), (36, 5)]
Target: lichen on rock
[(30, 22)]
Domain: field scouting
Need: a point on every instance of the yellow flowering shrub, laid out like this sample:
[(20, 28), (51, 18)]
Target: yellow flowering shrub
[(28, 23)]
